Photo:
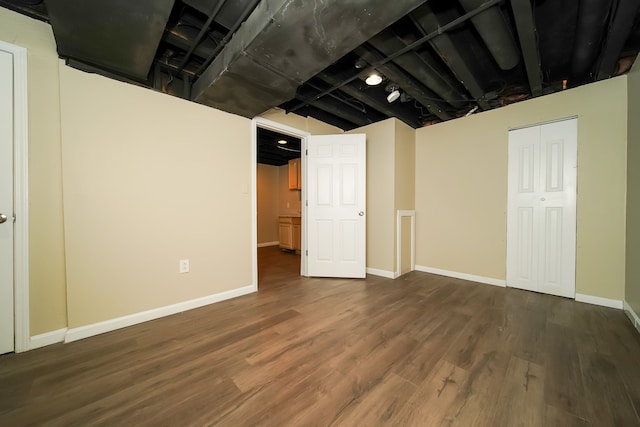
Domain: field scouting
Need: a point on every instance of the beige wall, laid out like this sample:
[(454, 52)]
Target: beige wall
[(46, 240), (405, 166), (140, 194), (405, 180), (461, 186), (632, 291), (268, 200), (390, 187), (380, 212)]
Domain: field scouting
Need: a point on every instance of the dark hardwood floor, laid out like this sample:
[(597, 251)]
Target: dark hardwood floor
[(421, 350)]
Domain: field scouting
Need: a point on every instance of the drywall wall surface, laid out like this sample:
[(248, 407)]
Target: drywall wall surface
[(317, 127), (405, 166), (461, 186), (47, 286), (632, 276), (268, 200), (150, 179), (380, 212)]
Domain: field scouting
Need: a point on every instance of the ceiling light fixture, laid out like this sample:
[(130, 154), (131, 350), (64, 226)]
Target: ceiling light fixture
[(373, 79), (282, 142), (394, 92), (393, 96)]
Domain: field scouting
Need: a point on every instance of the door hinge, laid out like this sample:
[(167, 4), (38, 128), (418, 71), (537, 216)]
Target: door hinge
[(306, 203), (306, 152), (306, 253)]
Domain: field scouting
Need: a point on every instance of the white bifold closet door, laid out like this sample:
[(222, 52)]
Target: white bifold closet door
[(541, 214)]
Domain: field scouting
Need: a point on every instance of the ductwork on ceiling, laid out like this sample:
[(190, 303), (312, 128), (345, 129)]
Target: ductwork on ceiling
[(284, 43), (494, 31), (121, 36)]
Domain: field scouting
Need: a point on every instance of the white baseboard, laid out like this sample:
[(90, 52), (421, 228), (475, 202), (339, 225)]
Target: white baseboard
[(48, 338), (265, 244), (605, 302), (382, 273), (633, 316), (81, 332), (463, 276)]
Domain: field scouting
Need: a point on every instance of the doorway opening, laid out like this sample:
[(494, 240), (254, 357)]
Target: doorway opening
[(278, 194)]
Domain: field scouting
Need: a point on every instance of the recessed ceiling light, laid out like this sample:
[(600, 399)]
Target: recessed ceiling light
[(373, 79), (282, 142)]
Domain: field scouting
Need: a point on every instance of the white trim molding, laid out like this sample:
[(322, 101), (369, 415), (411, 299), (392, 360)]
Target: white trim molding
[(21, 196), (633, 316), (463, 276), (604, 302), (86, 331), (265, 244), (47, 338), (403, 214), (382, 273)]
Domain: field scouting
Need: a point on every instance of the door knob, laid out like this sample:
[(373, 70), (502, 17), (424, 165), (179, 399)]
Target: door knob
[(542, 199), (3, 218), (361, 213)]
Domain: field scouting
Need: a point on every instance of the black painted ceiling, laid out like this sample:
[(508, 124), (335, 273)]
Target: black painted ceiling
[(271, 151), (447, 58)]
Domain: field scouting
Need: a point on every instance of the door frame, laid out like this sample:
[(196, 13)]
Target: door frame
[(20, 195), (259, 122)]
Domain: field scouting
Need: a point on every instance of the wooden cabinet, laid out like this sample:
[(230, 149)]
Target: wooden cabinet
[(296, 234), (289, 233), (295, 180)]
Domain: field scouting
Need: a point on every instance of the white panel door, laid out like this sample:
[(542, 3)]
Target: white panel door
[(6, 203), (336, 191), (541, 217)]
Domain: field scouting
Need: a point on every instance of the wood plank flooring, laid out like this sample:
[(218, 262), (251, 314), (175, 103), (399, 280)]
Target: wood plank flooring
[(421, 350)]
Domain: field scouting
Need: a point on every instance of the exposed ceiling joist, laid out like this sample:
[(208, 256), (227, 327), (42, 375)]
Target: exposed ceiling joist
[(424, 71), (528, 43), (416, 90), (368, 99), (331, 106), (454, 58)]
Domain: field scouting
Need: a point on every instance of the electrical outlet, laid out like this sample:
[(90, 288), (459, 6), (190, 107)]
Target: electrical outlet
[(184, 266)]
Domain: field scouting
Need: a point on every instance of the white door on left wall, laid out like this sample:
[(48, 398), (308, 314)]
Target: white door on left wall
[(6, 203)]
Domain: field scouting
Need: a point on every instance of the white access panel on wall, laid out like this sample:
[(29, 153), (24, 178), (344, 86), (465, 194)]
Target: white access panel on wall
[(335, 215), (541, 213)]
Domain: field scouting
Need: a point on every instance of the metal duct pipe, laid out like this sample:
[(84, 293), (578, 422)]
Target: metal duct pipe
[(495, 32), (592, 18)]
